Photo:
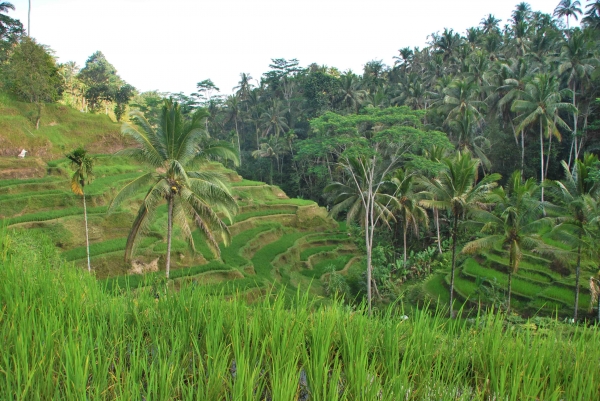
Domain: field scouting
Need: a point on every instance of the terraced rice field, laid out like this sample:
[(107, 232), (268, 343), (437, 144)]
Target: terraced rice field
[(535, 287), (275, 240)]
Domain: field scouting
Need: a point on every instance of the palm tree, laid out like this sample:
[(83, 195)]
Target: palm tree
[(592, 15), (457, 190), (405, 204), (515, 75), (540, 103), (572, 193), (490, 24), (274, 120), (169, 149), (83, 164), (349, 95), (232, 107), (577, 61), (515, 227), (568, 8)]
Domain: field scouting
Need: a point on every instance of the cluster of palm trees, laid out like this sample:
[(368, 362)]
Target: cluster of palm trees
[(527, 85), (480, 214)]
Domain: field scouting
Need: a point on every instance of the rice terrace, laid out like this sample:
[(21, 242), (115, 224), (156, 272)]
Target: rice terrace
[(427, 230)]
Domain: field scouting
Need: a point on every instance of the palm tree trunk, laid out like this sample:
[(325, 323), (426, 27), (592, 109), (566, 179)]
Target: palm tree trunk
[(405, 229), (454, 229), (548, 156), (522, 153), (509, 291), (238, 141), (542, 158), (367, 243), (510, 272), (577, 275), (169, 233), (87, 237), (437, 227)]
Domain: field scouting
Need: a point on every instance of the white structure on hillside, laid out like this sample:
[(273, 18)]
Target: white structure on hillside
[(22, 154)]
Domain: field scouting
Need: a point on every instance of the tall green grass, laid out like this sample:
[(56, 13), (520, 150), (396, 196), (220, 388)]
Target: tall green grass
[(65, 339)]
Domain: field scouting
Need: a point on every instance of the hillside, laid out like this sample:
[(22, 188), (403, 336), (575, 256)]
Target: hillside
[(275, 239), (62, 129)]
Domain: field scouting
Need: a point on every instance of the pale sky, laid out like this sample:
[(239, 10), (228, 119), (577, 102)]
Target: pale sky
[(171, 45)]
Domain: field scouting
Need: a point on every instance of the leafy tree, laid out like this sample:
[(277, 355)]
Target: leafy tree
[(122, 97), (458, 190), (5, 20), (101, 80), (84, 165), (33, 75), (169, 150), (375, 145)]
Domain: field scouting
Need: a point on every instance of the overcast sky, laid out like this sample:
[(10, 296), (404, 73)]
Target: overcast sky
[(172, 45)]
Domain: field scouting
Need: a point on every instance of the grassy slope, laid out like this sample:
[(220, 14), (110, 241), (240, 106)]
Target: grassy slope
[(61, 129), (82, 343), (36, 197)]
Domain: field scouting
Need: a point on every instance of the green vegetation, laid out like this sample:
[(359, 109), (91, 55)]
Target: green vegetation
[(131, 353)]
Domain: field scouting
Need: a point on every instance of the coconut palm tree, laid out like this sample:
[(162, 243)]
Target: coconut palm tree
[(592, 15), (572, 193), (84, 165), (405, 204), (516, 225), (568, 8), (169, 150), (577, 62), (233, 111), (458, 190), (540, 103)]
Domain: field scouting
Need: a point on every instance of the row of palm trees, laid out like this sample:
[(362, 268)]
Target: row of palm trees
[(533, 79), (512, 218)]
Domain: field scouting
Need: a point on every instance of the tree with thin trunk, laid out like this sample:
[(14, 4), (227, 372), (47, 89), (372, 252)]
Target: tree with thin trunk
[(83, 164), (405, 206), (458, 190), (513, 226), (377, 142), (540, 102), (170, 150), (568, 8), (577, 61), (574, 227)]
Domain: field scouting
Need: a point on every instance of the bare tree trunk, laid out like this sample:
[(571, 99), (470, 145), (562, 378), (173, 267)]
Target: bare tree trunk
[(577, 276), (509, 291), (548, 157), (87, 237), (454, 229), (522, 153), (542, 159), (29, 20), (436, 213), (238, 140), (369, 267), (169, 233), (405, 229), (510, 272)]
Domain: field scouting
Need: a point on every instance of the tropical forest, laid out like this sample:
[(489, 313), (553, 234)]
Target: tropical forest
[(426, 230)]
